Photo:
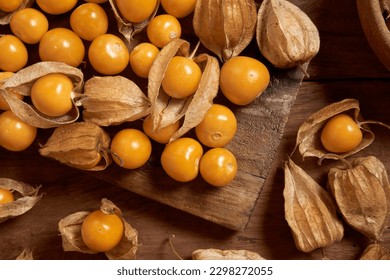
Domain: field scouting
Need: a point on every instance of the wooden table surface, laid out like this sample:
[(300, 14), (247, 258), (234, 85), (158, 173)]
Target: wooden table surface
[(345, 67)]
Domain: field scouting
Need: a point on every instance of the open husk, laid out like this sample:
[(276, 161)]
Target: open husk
[(166, 110), (26, 197), (22, 82), (70, 230), (375, 251), (310, 210), (5, 17), (80, 145), (309, 133), (217, 254), (112, 100), (225, 27)]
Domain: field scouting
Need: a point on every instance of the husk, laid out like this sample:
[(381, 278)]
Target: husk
[(26, 196), (80, 145), (5, 17), (285, 35), (166, 110), (27, 254), (22, 82), (129, 29), (112, 100), (217, 254), (375, 251), (309, 133), (225, 27), (361, 190), (309, 210), (70, 230)]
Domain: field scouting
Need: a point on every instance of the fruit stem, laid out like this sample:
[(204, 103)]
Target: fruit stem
[(173, 249), (375, 122), (193, 53)]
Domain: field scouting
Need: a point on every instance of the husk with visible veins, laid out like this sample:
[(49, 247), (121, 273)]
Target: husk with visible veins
[(112, 100), (129, 29), (375, 251), (310, 210), (225, 27), (80, 145), (362, 192), (70, 230), (26, 197), (22, 82), (309, 133), (217, 254), (285, 35), (166, 110), (5, 17)]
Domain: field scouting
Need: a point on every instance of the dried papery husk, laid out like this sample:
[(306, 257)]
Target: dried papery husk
[(80, 145), (70, 230), (362, 192), (225, 27), (217, 254), (112, 100), (26, 197), (310, 210), (375, 251), (26, 254), (285, 35), (129, 29), (22, 82), (166, 110), (5, 17), (309, 133)]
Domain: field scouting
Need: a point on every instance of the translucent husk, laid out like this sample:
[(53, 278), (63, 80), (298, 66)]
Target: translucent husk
[(286, 36), (80, 145), (5, 17), (217, 254), (70, 230), (225, 27), (22, 82), (375, 251), (166, 110), (112, 100), (310, 210), (361, 189), (26, 197)]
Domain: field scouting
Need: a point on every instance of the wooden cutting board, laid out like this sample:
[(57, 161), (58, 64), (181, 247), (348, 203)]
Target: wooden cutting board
[(260, 128)]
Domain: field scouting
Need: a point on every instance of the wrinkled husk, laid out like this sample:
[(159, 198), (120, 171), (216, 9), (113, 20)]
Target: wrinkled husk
[(217, 254), (129, 29), (112, 100), (362, 192), (309, 210), (80, 145), (309, 133), (70, 230), (27, 254), (26, 196), (375, 251), (5, 17), (22, 82), (166, 110), (286, 36), (225, 27)]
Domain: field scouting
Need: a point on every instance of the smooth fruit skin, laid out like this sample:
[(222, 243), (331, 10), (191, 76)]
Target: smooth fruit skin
[(3, 104), (131, 148), (182, 77), (56, 7), (243, 79), (136, 11), (62, 45), (179, 8), (51, 94), (142, 57), (162, 29), (101, 232), (13, 53), (218, 127), (89, 21), (29, 25), (218, 167), (10, 5), (6, 196), (341, 134), (162, 135), (180, 159), (15, 134), (108, 54)]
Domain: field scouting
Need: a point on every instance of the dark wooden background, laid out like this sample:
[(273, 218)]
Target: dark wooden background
[(345, 67)]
